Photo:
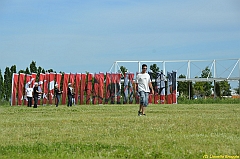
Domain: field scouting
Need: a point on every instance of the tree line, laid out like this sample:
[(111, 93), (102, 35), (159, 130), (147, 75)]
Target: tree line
[(200, 89)]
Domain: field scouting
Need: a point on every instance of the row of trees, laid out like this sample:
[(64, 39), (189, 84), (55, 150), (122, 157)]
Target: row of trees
[(203, 89)]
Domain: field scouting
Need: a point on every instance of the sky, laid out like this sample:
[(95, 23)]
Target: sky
[(80, 36)]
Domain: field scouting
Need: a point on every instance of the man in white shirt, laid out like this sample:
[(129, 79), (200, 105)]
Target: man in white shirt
[(29, 92), (144, 83)]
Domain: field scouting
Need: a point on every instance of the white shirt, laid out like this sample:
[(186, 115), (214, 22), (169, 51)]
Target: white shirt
[(143, 80), (29, 92)]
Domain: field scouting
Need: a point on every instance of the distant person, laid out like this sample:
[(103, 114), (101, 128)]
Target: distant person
[(70, 94), (58, 93), (29, 92), (36, 92), (144, 83)]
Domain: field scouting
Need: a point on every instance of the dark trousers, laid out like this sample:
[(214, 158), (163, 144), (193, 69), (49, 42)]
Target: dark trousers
[(29, 101), (69, 100), (57, 100), (35, 102)]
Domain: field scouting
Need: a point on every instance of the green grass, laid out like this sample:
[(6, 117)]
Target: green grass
[(115, 131)]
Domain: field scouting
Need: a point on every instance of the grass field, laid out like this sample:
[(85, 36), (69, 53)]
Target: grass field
[(115, 131)]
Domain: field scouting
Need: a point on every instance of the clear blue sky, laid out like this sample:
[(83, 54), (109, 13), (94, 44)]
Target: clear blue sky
[(79, 36)]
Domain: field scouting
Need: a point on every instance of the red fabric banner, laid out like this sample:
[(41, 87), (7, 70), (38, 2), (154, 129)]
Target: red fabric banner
[(27, 85), (150, 97), (40, 86), (101, 88), (58, 82), (21, 88), (131, 84), (45, 91), (72, 81), (108, 88), (113, 86), (14, 88), (169, 89), (33, 78), (95, 88), (162, 88), (156, 97), (65, 87), (51, 87), (89, 88), (58, 79), (118, 87), (83, 88), (77, 87)]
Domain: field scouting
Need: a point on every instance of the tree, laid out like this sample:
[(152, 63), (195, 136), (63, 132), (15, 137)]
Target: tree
[(13, 69), (50, 70), (223, 88), (122, 70), (207, 86), (21, 71), (39, 70), (43, 71), (183, 87), (1, 86), (155, 69), (238, 88), (27, 71), (7, 83), (199, 88), (33, 67)]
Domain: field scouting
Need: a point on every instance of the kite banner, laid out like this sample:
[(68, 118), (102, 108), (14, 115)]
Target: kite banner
[(89, 88), (83, 88), (51, 87), (27, 85), (95, 88), (126, 89), (118, 87), (45, 90), (162, 88), (14, 88), (131, 83), (169, 88), (101, 88), (40, 86), (107, 88), (65, 87), (77, 86), (21, 88)]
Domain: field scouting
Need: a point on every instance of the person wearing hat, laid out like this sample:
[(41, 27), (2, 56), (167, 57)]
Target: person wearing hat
[(70, 94), (36, 92), (57, 94)]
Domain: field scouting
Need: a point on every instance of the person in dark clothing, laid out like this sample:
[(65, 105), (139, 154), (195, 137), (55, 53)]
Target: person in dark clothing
[(70, 95), (35, 94), (57, 94)]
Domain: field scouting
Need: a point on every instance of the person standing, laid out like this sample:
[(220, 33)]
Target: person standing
[(70, 94), (144, 83), (35, 94), (29, 92), (57, 94)]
